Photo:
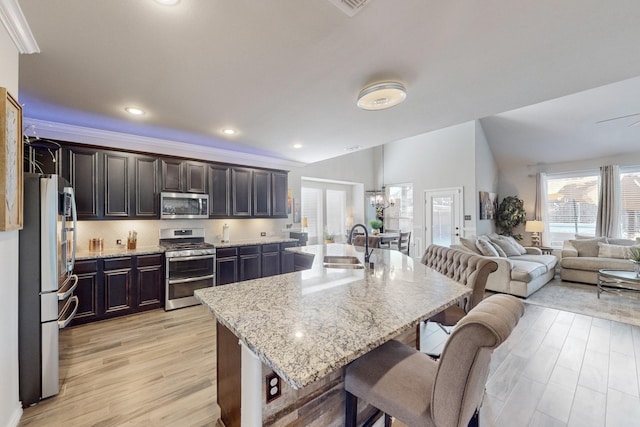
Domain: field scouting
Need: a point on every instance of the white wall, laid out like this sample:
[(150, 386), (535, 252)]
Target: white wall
[(440, 159), (10, 408), (486, 178)]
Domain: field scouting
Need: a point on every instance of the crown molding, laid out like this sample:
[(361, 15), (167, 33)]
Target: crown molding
[(17, 26), (125, 141)]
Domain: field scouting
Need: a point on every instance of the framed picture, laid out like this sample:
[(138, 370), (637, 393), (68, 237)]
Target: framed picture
[(296, 211), (488, 205), (11, 152)]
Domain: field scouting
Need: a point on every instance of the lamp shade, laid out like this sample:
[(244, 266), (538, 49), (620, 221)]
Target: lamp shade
[(305, 222), (534, 227)]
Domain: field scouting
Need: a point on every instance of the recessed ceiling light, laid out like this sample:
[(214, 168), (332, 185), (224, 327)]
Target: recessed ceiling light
[(229, 131), (381, 95), (297, 145), (168, 2), (134, 111)]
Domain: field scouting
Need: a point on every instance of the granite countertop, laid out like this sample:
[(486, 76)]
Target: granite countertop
[(118, 252), (255, 241), (307, 324)]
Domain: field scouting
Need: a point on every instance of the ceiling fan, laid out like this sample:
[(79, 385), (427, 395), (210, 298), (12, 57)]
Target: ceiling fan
[(636, 123)]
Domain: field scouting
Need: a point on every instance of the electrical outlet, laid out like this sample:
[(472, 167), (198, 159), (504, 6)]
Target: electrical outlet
[(263, 234), (273, 387), (467, 217)]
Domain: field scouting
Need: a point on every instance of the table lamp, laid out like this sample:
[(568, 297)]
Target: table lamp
[(535, 228)]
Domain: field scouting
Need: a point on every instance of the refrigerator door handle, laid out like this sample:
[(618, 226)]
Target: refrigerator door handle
[(66, 317), (65, 291), (74, 217)]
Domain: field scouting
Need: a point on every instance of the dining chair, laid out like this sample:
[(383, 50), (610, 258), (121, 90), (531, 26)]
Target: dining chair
[(403, 242), (420, 391), (386, 244)]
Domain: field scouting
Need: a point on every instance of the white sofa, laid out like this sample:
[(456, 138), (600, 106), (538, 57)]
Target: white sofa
[(520, 273), (582, 258)]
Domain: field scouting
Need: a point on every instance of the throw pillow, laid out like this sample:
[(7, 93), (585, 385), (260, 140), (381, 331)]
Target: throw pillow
[(620, 242), (486, 248), (470, 243), (506, 246), (606, 250), (588, 247), (501, 252), (516, 245)]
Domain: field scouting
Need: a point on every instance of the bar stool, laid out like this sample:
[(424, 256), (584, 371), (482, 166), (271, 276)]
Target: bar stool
[(417, 390)]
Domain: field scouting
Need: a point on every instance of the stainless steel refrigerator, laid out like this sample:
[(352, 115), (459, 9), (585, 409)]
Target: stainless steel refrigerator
[(46, 282)]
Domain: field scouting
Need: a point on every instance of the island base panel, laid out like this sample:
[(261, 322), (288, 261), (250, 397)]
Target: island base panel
[(320, 404)]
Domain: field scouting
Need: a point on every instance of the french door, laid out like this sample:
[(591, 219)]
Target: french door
[(443, 216)]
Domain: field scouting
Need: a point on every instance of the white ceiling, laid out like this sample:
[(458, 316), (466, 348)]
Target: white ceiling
[(289, 71)]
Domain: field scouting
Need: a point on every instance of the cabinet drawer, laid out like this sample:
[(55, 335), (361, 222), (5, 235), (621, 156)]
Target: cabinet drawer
[(226, 252), (88, 266), (249, 250), (117, 263), (273, 247), (285, 245), (147, 260)]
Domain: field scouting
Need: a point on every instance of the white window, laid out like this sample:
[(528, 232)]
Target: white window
[(325, 206), (630, 202), (572, 205)]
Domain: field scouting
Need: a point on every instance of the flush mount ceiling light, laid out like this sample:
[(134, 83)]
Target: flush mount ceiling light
[(297, 145), (134, 111), (229, 131), (381, 95), (168, 2)]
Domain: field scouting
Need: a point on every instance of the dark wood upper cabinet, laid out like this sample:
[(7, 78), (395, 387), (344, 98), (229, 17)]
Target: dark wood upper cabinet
[(261, 193), (279, 188), (116, 184), (241, 192), (219, 191), (196, 174), (146, 199), (82, 170), (172, 175)]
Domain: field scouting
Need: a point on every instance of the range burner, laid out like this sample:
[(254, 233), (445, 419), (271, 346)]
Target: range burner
[(185, 242)]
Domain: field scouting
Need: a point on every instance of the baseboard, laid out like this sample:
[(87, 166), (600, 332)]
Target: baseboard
[(15, 418)]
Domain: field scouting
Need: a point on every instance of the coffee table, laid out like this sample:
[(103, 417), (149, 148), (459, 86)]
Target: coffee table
[(617, 281)]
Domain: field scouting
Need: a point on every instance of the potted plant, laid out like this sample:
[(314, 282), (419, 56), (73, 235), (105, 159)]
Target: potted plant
[(634, 257), (329, 237), (376, 225), (510, 214)]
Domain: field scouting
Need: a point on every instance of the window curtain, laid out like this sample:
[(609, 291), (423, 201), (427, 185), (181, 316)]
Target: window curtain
[(541, 205), (607, 223)]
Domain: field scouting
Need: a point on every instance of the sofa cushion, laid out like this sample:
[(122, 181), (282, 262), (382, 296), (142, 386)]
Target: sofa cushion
[(486, 248), (621, 242), (606, 250), (595, 263), (549, 261), (526, 271), (506, 246), (587, 247), (470, 243)]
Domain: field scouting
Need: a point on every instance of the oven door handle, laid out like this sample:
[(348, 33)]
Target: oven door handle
[(191, 279), (191, 258)]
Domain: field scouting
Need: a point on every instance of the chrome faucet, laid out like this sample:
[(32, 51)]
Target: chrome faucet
[(367, 254)]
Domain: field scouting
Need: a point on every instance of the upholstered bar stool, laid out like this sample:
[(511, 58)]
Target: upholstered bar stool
[(419, 391)]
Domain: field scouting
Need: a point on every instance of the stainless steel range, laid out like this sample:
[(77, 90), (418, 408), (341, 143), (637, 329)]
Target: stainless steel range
[(190, 264)]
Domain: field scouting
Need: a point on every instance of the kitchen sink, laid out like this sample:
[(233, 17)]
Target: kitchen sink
[(342, 262)]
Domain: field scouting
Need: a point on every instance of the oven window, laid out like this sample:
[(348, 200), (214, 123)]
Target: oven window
[(185, 289), (190, 267)]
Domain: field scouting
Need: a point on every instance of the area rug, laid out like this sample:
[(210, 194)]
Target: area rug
[(583, 299)]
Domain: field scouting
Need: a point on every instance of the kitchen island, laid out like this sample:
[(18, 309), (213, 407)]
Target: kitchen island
[(308, 325)]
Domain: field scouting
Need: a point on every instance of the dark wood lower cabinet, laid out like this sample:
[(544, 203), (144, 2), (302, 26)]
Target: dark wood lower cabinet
[(111, 287), (250, 262), (226, 266), (287, 259), (270, 260)]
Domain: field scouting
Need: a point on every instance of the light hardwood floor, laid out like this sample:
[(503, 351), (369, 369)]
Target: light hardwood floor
[(158, 369)]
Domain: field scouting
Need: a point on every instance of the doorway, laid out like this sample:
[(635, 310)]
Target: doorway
[(443, 216)]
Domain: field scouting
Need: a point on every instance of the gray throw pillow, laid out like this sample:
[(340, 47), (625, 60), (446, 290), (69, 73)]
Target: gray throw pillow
[(470, 243), (486, 248), (516, 245), (501, 252), (506, 246), (588, 247), (606, 250)]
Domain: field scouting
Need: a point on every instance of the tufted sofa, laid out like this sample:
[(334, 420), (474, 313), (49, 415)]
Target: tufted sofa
[(583, 257), (465, 268), (519, 273)]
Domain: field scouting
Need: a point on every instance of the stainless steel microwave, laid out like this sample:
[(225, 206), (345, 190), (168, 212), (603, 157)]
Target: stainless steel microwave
[(184, 205)]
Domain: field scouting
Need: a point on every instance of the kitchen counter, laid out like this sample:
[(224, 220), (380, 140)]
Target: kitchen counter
[(309, 324), (118, 252), (251, 242)]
